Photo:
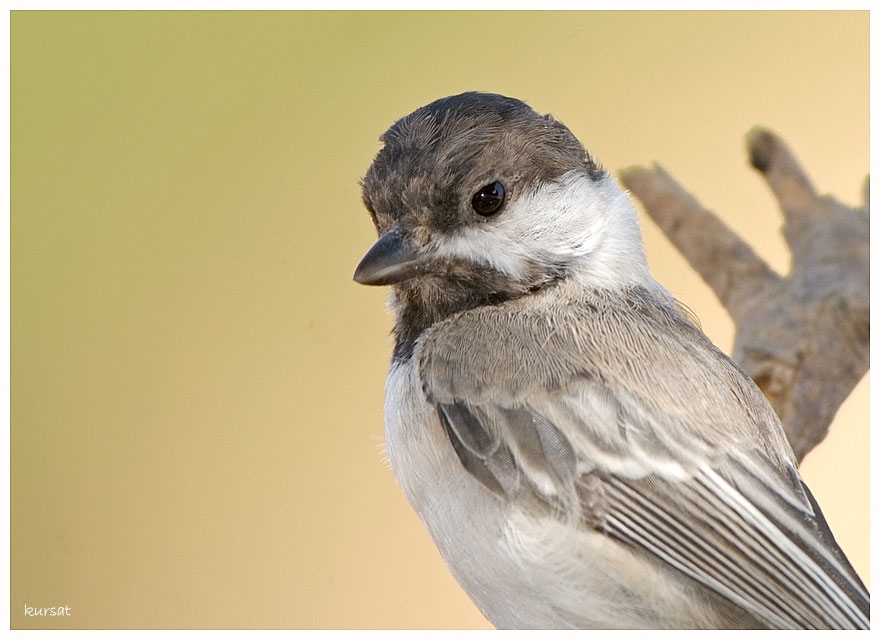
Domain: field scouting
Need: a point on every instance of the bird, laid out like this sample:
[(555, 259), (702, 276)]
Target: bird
[(581, 453)]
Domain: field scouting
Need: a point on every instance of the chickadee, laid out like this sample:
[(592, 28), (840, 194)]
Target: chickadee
[(581, 453)]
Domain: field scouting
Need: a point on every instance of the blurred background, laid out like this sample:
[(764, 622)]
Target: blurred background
[(197, 383)]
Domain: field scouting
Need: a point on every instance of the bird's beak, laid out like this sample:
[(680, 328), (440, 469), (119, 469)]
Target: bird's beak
[(394, 258)]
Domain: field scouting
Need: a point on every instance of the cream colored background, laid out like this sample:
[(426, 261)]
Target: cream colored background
[(197, 384)]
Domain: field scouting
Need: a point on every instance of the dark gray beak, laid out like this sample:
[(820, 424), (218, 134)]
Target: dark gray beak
[(394, 258)]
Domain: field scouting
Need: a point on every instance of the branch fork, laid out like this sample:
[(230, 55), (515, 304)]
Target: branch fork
[(803, 336)]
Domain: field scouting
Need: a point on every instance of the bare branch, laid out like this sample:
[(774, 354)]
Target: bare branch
[(727, 264), (804, 337)]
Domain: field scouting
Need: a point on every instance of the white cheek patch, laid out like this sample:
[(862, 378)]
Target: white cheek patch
[(561, 224), (484, 246)]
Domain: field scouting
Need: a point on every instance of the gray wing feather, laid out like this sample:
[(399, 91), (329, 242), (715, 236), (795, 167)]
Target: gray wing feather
[(610, 445), (711, 535)]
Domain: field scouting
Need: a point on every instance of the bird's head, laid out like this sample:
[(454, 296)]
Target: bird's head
[(478, 199)]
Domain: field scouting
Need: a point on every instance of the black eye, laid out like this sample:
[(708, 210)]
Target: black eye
[(489, 199)]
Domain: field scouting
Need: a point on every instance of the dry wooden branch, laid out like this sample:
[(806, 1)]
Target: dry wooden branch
[(803, 337)]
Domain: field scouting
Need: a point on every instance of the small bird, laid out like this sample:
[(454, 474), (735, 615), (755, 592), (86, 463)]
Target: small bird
[(582, 455)]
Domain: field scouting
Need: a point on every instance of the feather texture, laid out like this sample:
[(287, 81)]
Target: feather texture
[(709, 489)]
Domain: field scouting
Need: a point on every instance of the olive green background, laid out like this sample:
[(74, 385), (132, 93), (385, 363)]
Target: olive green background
[(197, 384)]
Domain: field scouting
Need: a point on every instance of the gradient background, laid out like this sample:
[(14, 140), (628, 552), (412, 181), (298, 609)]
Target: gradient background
[(197, 384)]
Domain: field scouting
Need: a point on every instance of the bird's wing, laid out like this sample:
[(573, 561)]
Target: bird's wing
[(633, 421)]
